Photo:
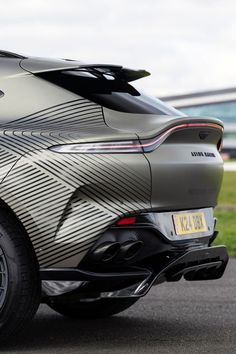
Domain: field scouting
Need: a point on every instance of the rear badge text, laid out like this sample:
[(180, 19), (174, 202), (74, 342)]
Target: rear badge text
[(200, 153)]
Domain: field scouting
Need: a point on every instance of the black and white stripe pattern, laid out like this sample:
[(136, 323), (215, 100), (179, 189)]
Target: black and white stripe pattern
[(69, 115), (65, 201)]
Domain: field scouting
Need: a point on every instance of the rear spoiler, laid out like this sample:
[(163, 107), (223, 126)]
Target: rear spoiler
[(41, 65), (118, 72)]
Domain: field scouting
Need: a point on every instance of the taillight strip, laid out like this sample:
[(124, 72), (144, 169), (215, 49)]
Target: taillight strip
[(130, 146)]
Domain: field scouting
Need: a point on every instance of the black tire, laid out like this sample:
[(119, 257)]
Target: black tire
[(91, 309), (20, 292)]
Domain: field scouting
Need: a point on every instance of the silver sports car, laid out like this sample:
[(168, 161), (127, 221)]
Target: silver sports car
[(104, 191)]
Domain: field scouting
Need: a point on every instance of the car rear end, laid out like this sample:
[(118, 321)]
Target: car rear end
[(104, 192), (173, 236)]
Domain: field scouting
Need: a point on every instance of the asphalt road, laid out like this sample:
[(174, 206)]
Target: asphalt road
[(183, 317)]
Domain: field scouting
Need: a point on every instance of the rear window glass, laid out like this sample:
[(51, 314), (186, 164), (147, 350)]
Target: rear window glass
[(109, 92)]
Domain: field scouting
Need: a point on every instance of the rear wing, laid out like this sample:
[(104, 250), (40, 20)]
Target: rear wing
[(41, 65)]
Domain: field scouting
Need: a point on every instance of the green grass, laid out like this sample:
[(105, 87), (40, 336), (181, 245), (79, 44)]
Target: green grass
[(225, 214), (226, 225), (228, 189)]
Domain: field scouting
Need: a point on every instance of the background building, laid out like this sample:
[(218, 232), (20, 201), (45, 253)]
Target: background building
[(218, 103)]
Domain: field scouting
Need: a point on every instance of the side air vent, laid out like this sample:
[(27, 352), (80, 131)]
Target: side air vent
[(5, 54)]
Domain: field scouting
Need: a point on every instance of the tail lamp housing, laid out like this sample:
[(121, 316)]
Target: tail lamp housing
[(131, 146)]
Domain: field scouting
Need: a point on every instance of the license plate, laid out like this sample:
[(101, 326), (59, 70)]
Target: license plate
[(190, 223)]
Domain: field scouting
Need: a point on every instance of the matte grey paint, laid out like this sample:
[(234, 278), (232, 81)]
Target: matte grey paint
[(37, 65), (65, 201)]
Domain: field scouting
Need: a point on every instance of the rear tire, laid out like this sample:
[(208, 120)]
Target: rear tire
[(91, 309), (20, 288)]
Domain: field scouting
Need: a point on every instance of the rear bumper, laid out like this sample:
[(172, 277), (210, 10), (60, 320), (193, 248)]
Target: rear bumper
[(205, 263)]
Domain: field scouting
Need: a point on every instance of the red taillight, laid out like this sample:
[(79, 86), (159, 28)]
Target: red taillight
[(127, 221)]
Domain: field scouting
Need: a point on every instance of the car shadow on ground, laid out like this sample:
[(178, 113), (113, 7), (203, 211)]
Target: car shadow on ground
[(51, 332)]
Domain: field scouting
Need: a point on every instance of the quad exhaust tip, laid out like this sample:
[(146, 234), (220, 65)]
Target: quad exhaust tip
[(108, 251)]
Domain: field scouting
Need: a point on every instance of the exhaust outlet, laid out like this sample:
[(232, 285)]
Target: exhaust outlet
[(130, 249), (106, 251)]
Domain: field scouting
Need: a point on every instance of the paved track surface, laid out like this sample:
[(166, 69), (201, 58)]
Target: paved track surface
[(184, 317)]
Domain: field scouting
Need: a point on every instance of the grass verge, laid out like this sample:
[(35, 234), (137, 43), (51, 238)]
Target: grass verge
[(228, 190), (226, 225), (226, 214)]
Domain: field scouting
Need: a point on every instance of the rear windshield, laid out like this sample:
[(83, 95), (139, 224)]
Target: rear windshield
[(109, 92)]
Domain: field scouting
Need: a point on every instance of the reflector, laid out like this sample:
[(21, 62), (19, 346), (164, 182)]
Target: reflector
[(127, 221)]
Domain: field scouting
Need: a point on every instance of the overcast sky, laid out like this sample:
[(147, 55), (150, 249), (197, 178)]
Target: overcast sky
[(187, 45)]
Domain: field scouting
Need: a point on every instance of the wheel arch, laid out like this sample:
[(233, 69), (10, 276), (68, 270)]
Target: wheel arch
[(7, 209)]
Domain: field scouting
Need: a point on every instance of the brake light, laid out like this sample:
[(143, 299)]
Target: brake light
[(127, 221)]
